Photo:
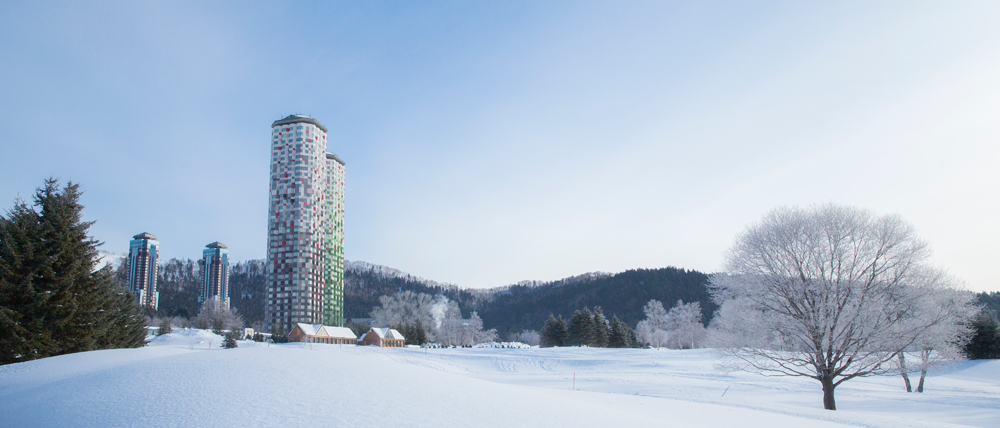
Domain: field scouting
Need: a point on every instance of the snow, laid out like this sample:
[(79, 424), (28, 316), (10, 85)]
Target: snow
[(186, 379)]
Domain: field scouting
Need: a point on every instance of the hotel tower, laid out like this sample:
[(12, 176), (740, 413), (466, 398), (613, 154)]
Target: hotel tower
[(305, 230), (215, 275), (143, 254)]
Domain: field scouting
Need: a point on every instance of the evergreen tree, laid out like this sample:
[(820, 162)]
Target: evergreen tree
[(599, 329), (278, 334), (621, 336), (580, 328), (230, 340), (53, 300), (985, 343), (553, 332), (164, 327)]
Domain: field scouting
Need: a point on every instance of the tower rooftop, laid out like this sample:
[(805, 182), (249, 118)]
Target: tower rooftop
[(144, 235), (216, 244), (298, 118), (334, 157)]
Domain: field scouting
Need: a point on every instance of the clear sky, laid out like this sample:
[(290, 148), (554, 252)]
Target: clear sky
[(492, 142)]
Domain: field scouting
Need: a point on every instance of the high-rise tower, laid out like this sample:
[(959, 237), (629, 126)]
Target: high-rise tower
[(333, 262), (215, 275), (143, 254), (305, 227)]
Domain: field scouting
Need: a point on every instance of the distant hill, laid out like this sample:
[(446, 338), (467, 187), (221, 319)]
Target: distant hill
[(522, 306), (990, 302)]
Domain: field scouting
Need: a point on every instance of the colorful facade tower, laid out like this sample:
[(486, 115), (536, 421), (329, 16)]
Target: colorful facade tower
[(143, 255), (333, 263), (215, 275), (305, 227)]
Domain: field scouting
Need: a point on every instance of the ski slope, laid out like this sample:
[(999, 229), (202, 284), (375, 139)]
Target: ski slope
[(185, 379)]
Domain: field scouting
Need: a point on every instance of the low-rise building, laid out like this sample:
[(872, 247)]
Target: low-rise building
[(319, 333), (383, 337)]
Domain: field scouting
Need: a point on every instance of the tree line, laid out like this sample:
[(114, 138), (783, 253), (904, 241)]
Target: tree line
[(587, 328)]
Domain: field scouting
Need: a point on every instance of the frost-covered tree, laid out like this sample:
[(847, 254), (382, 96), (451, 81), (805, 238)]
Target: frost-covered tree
[(404, 308), (653, 330), (822, 293), (211, 315), (683, 324), (528, 337), (164, 327), (943, 314)]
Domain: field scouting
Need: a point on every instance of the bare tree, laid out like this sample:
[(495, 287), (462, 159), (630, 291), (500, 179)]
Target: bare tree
[(822, 293), (528, 337), (212, 313), (653, 329), (405, 307), (945, 312), (684, 325)]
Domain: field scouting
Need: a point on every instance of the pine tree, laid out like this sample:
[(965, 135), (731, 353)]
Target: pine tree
[(580, 330), (553, 332), (53, 299), (230, 339), (599, 329), (985, 343), (621, 335)]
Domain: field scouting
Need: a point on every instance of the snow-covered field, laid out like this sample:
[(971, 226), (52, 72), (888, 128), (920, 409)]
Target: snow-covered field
[(185, 380)]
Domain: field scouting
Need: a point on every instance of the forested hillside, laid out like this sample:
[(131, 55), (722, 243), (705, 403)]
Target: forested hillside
[(990, 302), (364, 283), (521, 307)]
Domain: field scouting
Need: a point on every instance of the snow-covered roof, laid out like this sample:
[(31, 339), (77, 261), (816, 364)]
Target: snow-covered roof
[(393, 334), (309, 330), (338, 332)]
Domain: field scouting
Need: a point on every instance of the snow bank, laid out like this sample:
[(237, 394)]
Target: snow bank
[(508, 345), (184, 379)]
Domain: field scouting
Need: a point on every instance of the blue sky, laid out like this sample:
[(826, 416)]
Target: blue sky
[(492, 143)]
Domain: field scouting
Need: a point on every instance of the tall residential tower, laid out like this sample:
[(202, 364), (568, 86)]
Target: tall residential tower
[(305, 231), (215, 275), (143, 254)]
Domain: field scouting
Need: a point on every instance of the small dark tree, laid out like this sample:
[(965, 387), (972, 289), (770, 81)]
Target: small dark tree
[(985, 343), (164, 327), (278, 334), (230, 341), (599, 329), (553, 332)]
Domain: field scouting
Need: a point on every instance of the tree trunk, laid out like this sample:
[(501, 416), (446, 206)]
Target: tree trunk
[(924, 361), (828, 401), (902, 372)]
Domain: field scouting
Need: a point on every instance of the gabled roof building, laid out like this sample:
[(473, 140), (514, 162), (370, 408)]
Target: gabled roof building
[(383, 337), (319, 333)]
